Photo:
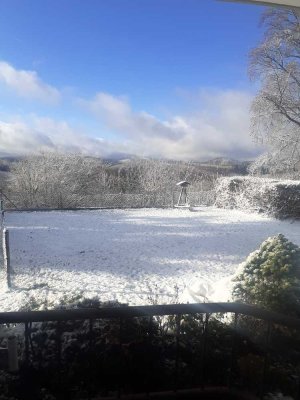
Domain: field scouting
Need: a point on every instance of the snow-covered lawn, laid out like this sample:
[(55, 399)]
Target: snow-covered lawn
[(131, 255)]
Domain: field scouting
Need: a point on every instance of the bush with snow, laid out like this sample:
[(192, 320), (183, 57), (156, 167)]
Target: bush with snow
[(270, 277), (275, 197)]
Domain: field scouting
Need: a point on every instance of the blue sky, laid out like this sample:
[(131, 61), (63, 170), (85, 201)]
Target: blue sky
[(161, 78)]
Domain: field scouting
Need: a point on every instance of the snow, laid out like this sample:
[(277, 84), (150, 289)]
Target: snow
[(135, 256)]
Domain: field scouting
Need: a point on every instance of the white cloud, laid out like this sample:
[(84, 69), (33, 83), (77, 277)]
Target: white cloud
[(118, 115), (27, 84), (19, 137), (217, 126)]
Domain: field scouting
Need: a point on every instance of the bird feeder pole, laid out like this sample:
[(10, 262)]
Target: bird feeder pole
[(183, 197)]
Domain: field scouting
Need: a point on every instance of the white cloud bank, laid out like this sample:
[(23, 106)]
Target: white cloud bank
[(37, 134), (27, 84), (219, 127)]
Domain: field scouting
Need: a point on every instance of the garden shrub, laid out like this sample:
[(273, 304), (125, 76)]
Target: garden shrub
[(274, 197), (270, 277)]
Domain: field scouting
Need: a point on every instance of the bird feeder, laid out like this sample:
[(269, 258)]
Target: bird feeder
[(183, 197)]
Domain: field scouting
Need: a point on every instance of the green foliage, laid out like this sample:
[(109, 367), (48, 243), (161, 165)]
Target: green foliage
[(271, 277)]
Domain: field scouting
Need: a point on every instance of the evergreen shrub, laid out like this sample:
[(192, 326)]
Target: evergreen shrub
[(270, 277)]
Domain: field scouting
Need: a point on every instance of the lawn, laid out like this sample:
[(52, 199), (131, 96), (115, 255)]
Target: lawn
[(134, 256)]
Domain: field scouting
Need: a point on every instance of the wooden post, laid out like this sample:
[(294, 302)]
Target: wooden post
[(12, 348), (1, 211), (180, 197), (143, 200), (6, 256)]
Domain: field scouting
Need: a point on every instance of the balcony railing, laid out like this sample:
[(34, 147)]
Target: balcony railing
[(120, 350)]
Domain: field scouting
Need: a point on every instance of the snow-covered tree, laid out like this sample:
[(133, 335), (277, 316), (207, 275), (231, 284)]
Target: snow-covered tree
[(55, 180), (275, 62)]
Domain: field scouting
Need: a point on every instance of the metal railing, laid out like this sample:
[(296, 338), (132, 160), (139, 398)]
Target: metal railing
[(130, 349)]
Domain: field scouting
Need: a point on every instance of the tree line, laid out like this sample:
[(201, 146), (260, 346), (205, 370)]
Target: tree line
[(64, 180)]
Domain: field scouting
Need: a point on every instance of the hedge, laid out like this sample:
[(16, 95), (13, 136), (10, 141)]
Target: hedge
[(275, 197)]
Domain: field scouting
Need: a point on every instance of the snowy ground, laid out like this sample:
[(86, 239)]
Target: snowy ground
[(131, 255)]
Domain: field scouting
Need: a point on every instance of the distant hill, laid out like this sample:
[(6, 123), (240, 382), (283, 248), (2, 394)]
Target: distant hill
[(223, 161), (5, 163), (221, 165)]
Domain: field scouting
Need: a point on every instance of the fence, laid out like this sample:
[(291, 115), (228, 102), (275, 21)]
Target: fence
[(116, 351), (140, 200), (123, 200)]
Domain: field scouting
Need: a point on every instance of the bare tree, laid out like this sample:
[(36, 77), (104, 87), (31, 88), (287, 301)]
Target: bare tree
[(70, 180), (160, 176), (276, 108), (55, 180)]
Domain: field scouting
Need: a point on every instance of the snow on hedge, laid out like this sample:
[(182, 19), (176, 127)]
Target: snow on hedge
[(275, 197)]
